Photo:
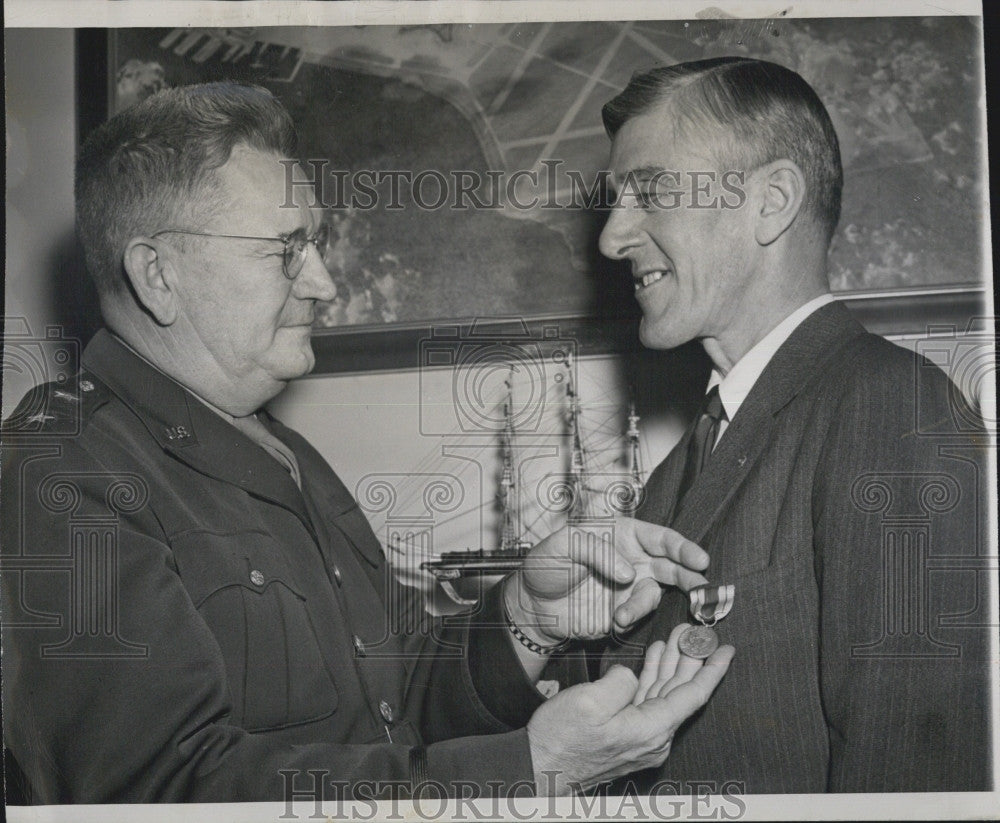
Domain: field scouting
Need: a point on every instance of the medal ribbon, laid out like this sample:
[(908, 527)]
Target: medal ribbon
[(710, 604)]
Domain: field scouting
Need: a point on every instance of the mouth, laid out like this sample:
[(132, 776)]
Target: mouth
[(643, 280)]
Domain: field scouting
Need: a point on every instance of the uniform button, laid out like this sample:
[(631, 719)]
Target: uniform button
[(336, 575), (385, 710), (359, 647), (86, 385), (257, 577)]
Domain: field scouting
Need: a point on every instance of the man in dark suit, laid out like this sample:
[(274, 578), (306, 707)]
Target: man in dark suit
[(831, 477), (195, 608)]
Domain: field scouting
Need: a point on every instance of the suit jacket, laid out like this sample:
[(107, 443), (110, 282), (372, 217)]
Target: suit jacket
[(182, 623), (845, 503)]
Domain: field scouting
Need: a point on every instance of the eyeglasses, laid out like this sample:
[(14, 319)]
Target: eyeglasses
[(296, 244)]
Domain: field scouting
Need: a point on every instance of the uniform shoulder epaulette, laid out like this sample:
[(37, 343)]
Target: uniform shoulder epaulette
[(57, 409)]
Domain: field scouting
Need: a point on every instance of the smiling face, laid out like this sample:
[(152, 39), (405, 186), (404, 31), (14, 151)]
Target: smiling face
[(692, 264), (238, 312)]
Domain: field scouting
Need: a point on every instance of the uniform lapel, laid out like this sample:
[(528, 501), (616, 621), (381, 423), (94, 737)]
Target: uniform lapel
[(330, 503), (190, 431)]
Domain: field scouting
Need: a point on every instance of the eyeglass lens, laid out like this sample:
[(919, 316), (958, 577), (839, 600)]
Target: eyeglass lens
[(297, 245)]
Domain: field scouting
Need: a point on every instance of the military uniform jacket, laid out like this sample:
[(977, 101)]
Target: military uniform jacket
[(845, 502), (181, 623)]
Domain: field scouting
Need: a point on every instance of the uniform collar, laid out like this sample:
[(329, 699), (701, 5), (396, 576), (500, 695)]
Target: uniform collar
[(166, 408), (186, 427)]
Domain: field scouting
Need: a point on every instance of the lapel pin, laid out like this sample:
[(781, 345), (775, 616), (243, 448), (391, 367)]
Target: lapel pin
[(742, 460)]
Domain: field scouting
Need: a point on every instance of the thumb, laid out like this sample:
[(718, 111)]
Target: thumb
[(615, 690)]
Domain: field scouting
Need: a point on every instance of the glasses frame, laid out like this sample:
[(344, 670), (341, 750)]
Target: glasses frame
[(296, 244)]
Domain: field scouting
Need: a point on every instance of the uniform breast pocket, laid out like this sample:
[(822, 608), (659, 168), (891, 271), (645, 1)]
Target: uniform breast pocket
[(245, 591)]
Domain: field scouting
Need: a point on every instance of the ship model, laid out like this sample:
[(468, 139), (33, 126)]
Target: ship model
[(581, 496)]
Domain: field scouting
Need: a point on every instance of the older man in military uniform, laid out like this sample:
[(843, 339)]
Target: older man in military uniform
[(240, 633)]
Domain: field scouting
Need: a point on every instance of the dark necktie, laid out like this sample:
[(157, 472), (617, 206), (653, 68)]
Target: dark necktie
[(702, 441)]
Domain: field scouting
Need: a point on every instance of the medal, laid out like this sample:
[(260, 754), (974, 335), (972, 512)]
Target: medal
[(698, 641), (709, 604)]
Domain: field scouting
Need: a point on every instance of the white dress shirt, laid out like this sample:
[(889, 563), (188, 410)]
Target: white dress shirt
[(736, 385)]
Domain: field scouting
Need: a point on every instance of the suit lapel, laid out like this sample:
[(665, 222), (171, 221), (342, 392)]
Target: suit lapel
[(735, 455), (659, 498), (190, 431), (797, 361)]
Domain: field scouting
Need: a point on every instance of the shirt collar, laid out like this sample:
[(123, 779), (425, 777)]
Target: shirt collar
[(736, 385)]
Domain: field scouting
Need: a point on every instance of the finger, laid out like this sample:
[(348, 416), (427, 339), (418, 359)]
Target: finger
[(645, 597), (686, 670), (673, 574), (650, 670), (660, 541), (668, 662), (696, 681), (614, 691), (600, 555), (669, 712)]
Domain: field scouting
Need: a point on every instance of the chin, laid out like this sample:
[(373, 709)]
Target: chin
[(297, 362), (653, 337)]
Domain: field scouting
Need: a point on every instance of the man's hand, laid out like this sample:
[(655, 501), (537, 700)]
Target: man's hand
[(594, 732), (579, 584)]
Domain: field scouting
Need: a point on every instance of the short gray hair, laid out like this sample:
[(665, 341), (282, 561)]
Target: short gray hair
[(154, 164), (755, 112)]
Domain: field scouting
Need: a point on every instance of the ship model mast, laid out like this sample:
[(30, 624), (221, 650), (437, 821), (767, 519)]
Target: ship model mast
[(509, 543), (634, 461), (577, 463), (512, 548)]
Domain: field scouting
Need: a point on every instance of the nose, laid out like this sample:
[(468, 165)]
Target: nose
[(314, 281), (619, 234)]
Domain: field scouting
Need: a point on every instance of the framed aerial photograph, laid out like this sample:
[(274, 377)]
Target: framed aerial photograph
[(461, 166)]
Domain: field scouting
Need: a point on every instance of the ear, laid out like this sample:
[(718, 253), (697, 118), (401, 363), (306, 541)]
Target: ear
[(783, 190), (149, 271)]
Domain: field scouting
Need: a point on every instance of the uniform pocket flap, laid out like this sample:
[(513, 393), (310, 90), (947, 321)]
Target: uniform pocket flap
[(210, 562)]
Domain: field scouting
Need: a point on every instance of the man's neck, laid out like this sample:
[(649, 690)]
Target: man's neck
[(736, 384), (760, 318), (212, 389)]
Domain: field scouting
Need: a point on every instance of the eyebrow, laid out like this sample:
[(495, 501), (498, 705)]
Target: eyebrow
[(644, 172), (309, 227)]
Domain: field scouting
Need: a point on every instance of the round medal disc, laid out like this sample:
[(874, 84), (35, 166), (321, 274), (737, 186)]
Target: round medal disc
[(698, 642)]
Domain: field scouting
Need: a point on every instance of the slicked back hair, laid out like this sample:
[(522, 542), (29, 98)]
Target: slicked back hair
[(751, 112), (153, 166)]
